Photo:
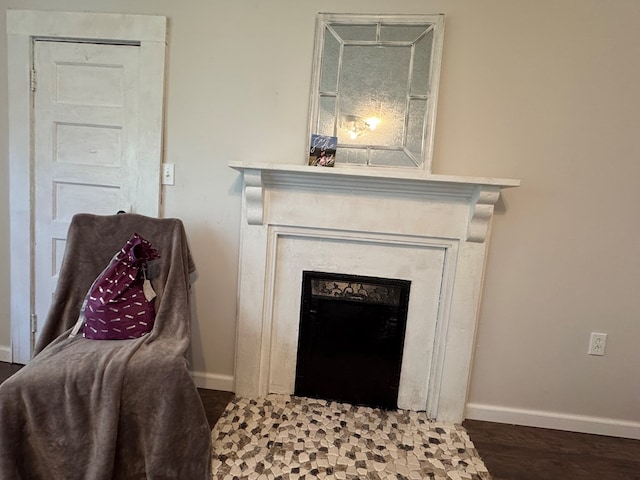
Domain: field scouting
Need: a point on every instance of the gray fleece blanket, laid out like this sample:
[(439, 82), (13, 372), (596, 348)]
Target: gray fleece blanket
[(109, 409)]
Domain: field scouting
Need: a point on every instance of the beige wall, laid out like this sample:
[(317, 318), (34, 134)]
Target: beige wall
[(546, 91)]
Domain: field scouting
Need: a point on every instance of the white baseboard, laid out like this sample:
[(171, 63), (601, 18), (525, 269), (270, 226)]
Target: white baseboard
[(213, 381), (557, 421), (5, 353)]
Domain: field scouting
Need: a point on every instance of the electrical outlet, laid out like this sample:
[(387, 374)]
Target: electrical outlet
[(168, 171), (597, 343)]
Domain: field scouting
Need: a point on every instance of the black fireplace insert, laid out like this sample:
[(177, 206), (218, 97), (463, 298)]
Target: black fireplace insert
[(351, 338)]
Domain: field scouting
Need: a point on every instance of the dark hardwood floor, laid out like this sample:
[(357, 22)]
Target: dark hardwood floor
[(510, 452), (513, 452), (214, 401)]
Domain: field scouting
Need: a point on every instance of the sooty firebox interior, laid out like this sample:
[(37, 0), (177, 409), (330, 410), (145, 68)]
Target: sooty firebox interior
[(351, 338)]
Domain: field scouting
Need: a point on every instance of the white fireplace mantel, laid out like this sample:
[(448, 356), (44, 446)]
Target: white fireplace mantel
[(481, 192), (429, 229)]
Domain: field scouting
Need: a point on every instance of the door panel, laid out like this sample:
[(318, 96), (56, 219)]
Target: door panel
[(86, 139)]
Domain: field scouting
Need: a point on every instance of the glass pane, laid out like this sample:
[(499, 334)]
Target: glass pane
[(326, 116), (401, 33), (422, 65), (390, 158), (416, 126), (352, 156), (355, 32), (330, 62), (373, 84)]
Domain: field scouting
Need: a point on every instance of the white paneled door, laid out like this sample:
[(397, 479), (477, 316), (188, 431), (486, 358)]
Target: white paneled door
[(85, 136), (85, 130), (86, 145)]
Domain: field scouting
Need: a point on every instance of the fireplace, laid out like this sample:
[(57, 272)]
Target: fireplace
[(430, 230), (351, 338)]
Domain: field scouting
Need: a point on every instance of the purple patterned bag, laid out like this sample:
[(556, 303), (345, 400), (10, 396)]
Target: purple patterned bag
[(119, 304)]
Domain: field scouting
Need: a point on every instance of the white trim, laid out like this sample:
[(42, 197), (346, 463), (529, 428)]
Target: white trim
[(92, 26), (554, 420), (213, 381), (19, 65), (419, 387), (5, 353)]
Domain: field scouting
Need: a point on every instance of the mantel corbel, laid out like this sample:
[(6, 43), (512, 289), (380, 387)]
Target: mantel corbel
[(254, 196), (481, 212)]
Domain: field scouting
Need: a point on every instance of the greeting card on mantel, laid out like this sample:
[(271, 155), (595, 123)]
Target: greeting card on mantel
[(322, 151)]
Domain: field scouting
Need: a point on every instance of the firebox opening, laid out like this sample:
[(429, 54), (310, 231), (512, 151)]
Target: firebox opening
[(351, 338)]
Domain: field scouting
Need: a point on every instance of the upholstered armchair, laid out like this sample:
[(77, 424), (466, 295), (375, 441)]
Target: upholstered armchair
[(109, 409)]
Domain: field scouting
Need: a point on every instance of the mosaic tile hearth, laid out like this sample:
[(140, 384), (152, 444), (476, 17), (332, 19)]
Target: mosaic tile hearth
[(281, 437)]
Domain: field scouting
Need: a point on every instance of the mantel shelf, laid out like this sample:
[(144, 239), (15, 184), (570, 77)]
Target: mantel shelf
[(378, 179)]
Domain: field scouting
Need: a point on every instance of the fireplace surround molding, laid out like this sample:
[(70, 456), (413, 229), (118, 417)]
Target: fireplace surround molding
[(429, 229)]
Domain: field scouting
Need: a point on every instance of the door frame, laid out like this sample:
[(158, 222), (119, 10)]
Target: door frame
[(23, 28)]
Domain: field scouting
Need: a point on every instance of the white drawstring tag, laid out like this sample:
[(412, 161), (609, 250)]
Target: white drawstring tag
[(147, 289)]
